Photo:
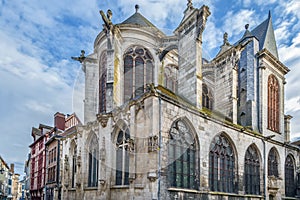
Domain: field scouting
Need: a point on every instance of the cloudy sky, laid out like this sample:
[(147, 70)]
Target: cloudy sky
[(37, 39)]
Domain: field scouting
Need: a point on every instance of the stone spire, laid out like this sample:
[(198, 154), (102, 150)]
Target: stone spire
[(226, 45)]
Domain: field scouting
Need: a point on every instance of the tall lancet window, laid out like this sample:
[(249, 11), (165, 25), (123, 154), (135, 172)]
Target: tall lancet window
[(102, 82), (74, 167), (93, 162), (273, 103), (252, 171), (122, 158), (207, 99), (221, 165), (273, 163), (182, 169), (170, 77), (138, 71), (290, 183)]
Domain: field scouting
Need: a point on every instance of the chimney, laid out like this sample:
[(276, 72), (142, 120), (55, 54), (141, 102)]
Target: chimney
[(59, 121), (12, 168)]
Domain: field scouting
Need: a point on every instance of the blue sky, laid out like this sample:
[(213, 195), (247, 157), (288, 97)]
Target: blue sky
[(37, 39)]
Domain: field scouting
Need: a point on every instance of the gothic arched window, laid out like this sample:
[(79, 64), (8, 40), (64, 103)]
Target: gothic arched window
[(252, 171), (122, 158), (207, 99), (273, 163), (102, 82), (93, 162), (170, 77), (290, 184), (273, 103), (138, 71), (182, 157), (221, 165), (74, 167)]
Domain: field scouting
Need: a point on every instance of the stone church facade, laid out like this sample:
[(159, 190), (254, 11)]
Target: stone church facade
[(161, 122)]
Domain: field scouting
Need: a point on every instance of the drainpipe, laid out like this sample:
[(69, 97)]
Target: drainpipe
[(58, 169), (160, 148), (265, 167), (265, 163)]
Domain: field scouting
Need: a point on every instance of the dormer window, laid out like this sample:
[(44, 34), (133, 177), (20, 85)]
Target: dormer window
[(138, 71)]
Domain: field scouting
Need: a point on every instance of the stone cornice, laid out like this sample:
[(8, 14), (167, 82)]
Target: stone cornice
[(272, 59)]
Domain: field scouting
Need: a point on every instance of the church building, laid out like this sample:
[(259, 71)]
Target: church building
[(161, 122)]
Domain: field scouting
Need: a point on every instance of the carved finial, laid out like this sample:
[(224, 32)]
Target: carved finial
[(225, 39), (137, 8), (269, 16), (189, 4), (109, 14), (246, 26)]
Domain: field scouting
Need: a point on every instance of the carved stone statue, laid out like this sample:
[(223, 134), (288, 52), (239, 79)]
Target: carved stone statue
[(81, 57), (225, 39), (107, 19)]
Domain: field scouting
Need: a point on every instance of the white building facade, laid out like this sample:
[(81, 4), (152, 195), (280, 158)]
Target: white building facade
[(161, 122)]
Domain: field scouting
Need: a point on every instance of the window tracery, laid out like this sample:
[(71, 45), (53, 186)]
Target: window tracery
[(170, 77), (207, 99), (93, 162), (182, 157), (222, 165), (138, 71), (102, 82), (273, 103), (124, 146), (290, 184), (74, 167), (252, 171), (273, 163)]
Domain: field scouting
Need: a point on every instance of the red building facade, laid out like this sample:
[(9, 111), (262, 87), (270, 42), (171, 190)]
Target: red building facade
[(38, 161)]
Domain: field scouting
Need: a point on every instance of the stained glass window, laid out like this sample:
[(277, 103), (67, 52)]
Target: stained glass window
[(93, 162), (207, 100), (102, 82), (182, 157), (222, 165), (74, 168), (138, 71), (252, 171), (273, 103), (273, 163), (122, 158), (170, 77), (290, 183)]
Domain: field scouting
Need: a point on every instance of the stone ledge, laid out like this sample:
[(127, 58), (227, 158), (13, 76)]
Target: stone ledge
[(119, 187)]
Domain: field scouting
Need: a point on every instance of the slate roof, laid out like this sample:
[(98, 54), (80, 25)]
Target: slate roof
[(265, 34), (138, 19), (247, 34)]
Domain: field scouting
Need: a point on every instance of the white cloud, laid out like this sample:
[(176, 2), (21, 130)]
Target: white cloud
[(39, 37), (235, 22)]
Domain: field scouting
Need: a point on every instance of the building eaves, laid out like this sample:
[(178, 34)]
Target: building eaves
[(3, 162)]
